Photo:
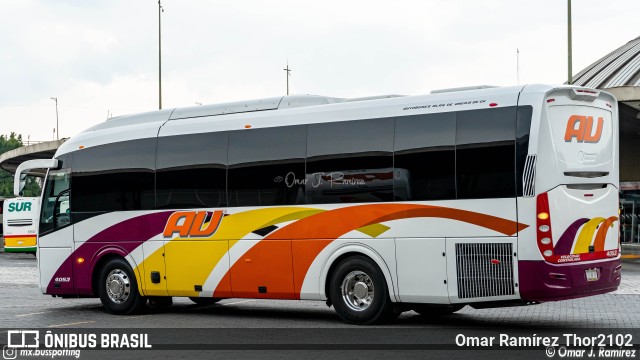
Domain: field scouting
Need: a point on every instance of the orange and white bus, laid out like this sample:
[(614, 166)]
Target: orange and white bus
[(19, 223), (482, 197)]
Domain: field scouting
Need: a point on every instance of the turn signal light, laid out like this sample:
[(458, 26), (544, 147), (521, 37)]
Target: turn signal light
[(543, 222)]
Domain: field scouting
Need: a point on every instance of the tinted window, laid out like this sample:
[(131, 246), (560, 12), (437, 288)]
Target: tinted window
[(425, 160), (55, 211), (192, 171), (350, 162), (113, 177), (485, 153), (523, 129), (266, 166)]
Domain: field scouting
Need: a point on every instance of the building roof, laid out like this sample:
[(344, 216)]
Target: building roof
[(621, 67), (10, 160)]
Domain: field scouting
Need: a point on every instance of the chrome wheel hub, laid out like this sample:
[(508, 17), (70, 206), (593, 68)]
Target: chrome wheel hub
[(118, 286), (357, 290)]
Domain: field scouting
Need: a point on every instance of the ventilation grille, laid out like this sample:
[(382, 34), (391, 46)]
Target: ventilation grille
[(529, 177), (20, 222), (484, 270)]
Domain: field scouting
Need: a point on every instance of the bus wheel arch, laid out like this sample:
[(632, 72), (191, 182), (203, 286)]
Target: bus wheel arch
[(123, 296), (358, 291), (349, 250)]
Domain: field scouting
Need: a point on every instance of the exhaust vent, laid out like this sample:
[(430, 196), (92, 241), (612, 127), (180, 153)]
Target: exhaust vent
[(529, 176)]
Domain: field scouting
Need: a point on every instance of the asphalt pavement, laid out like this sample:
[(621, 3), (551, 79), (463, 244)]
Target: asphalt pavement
[(308, 324)]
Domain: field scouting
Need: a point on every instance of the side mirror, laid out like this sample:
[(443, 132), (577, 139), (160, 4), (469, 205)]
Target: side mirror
[(23, 169)]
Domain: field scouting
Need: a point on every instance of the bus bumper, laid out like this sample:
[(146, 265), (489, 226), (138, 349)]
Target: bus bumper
[(542, 281)]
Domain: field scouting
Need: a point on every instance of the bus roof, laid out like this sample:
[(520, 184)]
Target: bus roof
[(288, 110)]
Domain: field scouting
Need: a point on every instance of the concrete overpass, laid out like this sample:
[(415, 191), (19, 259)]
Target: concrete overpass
[(10, 160)]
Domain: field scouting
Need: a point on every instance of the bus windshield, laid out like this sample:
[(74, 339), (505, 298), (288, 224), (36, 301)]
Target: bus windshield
[(55, 201)]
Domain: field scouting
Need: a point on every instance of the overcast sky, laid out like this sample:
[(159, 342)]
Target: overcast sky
[(101, 57)]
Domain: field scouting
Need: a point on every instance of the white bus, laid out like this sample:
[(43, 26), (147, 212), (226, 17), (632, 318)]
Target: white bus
[(20, 223), (482, 197)]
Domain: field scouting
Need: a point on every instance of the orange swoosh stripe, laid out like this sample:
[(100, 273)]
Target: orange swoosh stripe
[(322, 228)]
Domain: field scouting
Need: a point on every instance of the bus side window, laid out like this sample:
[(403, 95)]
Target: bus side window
[(192, 171), (113, 177), (424, 158), (485, 153), (266, 166), (350, 161)]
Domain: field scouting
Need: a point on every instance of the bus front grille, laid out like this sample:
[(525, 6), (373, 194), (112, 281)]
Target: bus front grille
[(20, 222), (484, 270)]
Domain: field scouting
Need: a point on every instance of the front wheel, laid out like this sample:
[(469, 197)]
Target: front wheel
[(358, 291), (118, 288)]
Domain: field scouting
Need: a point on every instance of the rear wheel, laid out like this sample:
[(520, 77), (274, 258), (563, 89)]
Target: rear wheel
[(204, 300), (118, 288), (358, 291)]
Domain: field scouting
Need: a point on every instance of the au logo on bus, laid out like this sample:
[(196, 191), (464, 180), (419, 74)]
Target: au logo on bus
[(583, 131), (193, 223)]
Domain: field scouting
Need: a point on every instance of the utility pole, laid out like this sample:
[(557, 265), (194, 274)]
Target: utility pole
[(160, 10), (288, 71), (570, 75), (56, 129)]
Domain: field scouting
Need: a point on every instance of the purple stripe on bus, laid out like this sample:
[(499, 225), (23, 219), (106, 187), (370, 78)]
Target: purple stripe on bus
[(140, 228), (120, 239), (564, 245), (542, 281)]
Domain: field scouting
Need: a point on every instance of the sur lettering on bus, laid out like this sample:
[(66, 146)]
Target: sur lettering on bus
[(193, 223), (24, 206)]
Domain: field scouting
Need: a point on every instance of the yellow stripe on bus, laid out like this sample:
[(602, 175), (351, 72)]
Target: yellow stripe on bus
[(21, 241)]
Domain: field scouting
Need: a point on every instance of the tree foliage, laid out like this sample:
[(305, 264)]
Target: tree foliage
[(32, 187)]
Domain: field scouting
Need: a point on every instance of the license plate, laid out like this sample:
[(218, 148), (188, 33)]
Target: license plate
[(592, 274)]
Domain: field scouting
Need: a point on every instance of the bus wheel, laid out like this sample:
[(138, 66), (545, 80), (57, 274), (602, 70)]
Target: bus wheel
[(436, 310), (358, 291), (118, 288), (204, 300)]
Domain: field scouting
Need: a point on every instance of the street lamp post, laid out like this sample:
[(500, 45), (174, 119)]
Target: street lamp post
[(570, 75), (160, 10), (56, 129)]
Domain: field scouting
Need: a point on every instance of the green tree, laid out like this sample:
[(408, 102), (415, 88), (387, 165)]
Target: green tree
[(32, 187)]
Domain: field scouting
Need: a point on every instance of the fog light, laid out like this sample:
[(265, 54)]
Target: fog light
[(547, 253), (544, 228), (545, 241)]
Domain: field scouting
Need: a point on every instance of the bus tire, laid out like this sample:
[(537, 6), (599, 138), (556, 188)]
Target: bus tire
[(436, 310), (358, 292), (204, 300), (118, 288)]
